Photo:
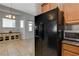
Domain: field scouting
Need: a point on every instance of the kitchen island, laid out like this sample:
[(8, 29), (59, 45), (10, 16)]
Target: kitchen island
[(10, 36)]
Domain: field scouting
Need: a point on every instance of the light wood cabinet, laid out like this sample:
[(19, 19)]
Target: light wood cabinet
[(47, 6), (70, 50), (71, 13), (68, 53)]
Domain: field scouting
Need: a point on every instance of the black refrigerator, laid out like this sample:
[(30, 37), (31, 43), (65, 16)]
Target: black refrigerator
[(49, 30)]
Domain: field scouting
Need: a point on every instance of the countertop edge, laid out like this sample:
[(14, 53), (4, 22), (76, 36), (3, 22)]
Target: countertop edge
[(70, 42)]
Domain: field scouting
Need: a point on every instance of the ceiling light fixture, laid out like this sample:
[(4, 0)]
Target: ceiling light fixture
[(10, 16)]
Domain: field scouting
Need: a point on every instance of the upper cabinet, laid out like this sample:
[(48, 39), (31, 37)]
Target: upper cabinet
[(71, 13), (47, 6)]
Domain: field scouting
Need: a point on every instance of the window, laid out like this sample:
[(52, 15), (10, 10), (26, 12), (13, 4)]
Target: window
[(8, 23), (30, 26), (22, 23)]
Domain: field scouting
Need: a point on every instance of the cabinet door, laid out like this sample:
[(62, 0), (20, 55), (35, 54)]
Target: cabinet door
[(67, 53), (71, 48), (45, 7), (48, 6), (71, 13)]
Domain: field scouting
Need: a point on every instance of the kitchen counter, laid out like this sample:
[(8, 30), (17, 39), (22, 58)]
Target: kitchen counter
[(70, 42), (72, 31), (70, 48), (9, 32)]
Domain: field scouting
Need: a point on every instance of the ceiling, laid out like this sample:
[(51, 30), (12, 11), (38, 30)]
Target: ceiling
[(25, 7)]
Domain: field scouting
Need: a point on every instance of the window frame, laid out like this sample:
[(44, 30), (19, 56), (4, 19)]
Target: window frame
[(21, 23), (4, 26), (30, 25)]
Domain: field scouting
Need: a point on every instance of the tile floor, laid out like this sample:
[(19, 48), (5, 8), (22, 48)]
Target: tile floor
[(17, 48)]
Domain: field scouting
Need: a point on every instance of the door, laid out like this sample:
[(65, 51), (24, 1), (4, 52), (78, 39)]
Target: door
[(41, 30), (52, 18), (52, 33)]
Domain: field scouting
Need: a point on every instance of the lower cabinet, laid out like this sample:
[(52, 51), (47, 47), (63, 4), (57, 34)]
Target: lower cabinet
[(1, 37), (10, 36), (70, 50), (68, 53)]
